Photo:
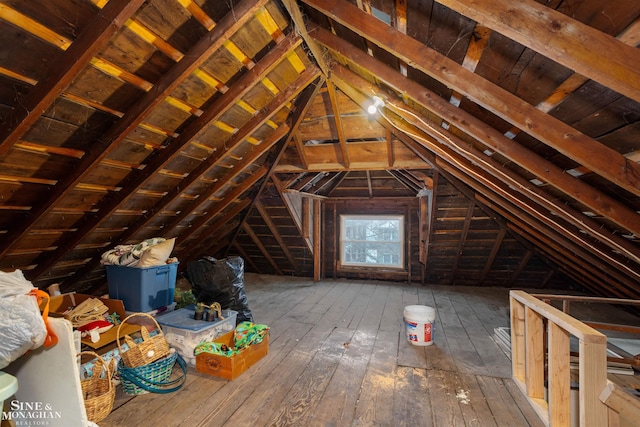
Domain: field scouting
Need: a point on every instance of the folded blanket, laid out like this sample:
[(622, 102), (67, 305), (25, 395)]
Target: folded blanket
[(128, 255)]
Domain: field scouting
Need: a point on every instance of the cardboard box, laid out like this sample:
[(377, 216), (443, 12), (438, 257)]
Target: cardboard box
[(231, 367), (61, 303)]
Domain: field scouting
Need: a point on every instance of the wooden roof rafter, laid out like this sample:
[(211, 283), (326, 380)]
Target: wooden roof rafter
[(599, 158), (407, 179), (263, 250), (299, 112), (223, 225), (337, 116), (280, 101), (563, 238), (630, 36), (497, 183), (479, 41), (545, 170), (330, 181), (264, 214), (210, 43), (229, 98), (81, 51), (165, 85), (492, 194), (200, 223), (239, 168), (553, 34), (566, 254)]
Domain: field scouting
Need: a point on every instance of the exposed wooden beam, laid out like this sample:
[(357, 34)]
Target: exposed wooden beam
[(555, 35), (389, 141), (246, 257), (99, 150), (463, 238), (333, 97), (303, 181), (520, 268), (199, 223), (317, 233), (302, 105), (239, 168), (541, 230), (492, 256), (401, 25), (630, 36), (294, 11), (204, 195), (530, 190), (369, 188), (584, 272), (226, 223), (584, 150), (274, 105), (478, 43), (508, 191), (305, 216), (533, 229), (544, 170), (299, 146), (264, 214), (174, 193), (65, 69), (265, 252)]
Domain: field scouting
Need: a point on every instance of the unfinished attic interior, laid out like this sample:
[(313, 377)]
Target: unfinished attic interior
[(500, 139)]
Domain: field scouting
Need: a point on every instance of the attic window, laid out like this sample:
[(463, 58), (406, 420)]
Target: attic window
[(372, 240)]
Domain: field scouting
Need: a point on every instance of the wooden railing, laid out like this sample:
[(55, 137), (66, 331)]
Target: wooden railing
[(622, 405), (541, 355)]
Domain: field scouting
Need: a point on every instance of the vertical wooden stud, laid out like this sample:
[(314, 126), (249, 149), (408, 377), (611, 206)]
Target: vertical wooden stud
[(316, 240), (560, 378), (517, 340), (593, 380), (535, 352)]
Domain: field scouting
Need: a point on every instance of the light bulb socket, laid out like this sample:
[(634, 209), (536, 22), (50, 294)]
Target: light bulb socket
[(376, 105)]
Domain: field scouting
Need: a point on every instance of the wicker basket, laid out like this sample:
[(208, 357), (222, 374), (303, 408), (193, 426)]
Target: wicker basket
[(149, 350), (153, 377), (98, 390)]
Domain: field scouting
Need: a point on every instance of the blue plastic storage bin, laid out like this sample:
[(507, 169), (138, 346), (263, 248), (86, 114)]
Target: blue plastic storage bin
[(142, 289)]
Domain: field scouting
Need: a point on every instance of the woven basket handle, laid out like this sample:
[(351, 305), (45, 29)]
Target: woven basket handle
[(156, 386), (100, 366), (143, 330)]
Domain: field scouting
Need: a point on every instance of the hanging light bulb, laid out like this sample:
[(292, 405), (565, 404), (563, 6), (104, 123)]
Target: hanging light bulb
[(376, 105)]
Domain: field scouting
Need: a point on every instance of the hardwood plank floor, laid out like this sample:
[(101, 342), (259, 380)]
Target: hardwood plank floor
[(338, 356)]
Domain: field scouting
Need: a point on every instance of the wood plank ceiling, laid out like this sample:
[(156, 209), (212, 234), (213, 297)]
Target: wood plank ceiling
[(234, 126)]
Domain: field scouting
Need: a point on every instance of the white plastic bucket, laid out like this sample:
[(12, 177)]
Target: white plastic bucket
[(418, 321)]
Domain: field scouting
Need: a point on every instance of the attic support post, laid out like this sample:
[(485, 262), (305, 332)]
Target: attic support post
[(423, 212), (317, 223)]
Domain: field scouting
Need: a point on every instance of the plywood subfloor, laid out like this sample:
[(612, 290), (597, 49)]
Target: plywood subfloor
[(339, 357)]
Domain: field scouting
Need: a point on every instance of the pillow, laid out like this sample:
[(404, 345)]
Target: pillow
[(156, 254)]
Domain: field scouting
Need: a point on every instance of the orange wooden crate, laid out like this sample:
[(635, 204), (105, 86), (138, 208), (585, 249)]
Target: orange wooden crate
[(231, 367)]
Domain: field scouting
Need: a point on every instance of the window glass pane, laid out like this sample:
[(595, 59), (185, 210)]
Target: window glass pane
[(372, 240)]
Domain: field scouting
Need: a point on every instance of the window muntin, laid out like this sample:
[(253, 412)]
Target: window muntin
[(372, 240)]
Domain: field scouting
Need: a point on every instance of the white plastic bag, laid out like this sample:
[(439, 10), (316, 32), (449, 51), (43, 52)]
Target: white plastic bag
[(21, 325)]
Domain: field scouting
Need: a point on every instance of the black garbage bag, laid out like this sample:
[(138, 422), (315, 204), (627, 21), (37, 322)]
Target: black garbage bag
[(221, 281)]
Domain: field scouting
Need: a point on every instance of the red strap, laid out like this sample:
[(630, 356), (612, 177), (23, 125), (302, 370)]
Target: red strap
[(52, 338)]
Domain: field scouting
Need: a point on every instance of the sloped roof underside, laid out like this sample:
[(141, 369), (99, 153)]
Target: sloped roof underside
[(207, 121)]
